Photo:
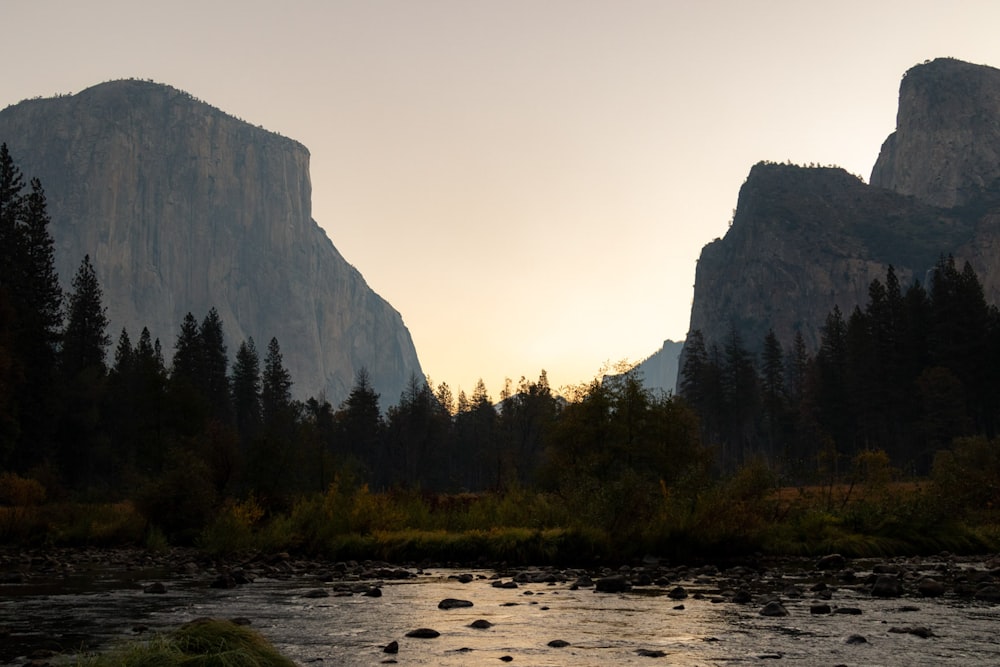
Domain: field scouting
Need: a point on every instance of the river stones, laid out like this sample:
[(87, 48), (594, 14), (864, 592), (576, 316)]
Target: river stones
[(774, 608), (156, 588), (649, 653), (316, 593), (930, 588), (616, 583), (831, 562), (855, 639), (887, 586), (481, 624), (819, 609), (677, 593), (373, 592), (850, 611), (917, 631), (391, 647), (742, 596), (423, 633), (504, 584), (452, 603), (988, 593), (558, 643)]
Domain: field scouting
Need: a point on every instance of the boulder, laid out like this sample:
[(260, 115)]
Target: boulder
[(615, 583), (887, 586), (452, 603), (774, 608)]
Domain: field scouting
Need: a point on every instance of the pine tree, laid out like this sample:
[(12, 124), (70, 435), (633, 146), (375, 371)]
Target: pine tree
[(245, 386), (83, 380), (359, 422), (85, 339), (30, 287), (214, 366), (276, 388)]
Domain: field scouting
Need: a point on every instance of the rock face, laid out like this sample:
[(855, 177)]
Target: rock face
[(804, 240), (946, 147), (659, 370), (183, 208)]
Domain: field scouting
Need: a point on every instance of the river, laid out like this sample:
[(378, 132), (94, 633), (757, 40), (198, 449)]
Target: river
[(317, 623)]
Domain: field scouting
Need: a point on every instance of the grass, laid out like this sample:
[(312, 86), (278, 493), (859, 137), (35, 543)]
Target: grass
[(205, 642)]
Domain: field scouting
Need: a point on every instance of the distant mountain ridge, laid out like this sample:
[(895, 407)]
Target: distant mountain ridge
[(183, 208), (804, 240)]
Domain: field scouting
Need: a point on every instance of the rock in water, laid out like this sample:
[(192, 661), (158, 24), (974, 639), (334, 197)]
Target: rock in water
[(183, 208), (452, 603)]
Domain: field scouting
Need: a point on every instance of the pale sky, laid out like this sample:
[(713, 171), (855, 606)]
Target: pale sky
[(529, 183)]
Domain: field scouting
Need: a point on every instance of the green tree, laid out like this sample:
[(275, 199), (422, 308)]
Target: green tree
[(213, 377), (246, 387), (83, 448), (360, 426), (30, 286)]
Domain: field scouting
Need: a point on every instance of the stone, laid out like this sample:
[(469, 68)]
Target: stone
[(650, 653), (423, 633), (391, 647), (916, 631), (774, 608), (819, 609), (930, 588), (988, 593), (316, 593), (677, 593), (156, 588), (481, 624), (887, 586), (849, 611), (855, 639), (558, 643), (831, 562), (452, 603), (615, 583)]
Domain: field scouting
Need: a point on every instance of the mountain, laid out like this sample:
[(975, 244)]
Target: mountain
[(183, 208), (659, 370), (806, 239)]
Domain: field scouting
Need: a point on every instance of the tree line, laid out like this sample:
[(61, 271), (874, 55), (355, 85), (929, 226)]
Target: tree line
[(181, 435), (906, 374)]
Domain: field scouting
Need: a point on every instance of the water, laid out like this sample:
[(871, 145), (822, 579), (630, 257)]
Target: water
[(94, 611)]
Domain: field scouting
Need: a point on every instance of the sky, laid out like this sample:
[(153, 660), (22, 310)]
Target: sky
[(528, 182)]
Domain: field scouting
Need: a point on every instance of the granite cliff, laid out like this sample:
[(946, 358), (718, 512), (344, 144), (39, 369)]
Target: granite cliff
[(183, 208), (804, 240)]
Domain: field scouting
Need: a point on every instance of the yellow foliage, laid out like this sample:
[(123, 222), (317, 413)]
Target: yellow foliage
[(20, 491)]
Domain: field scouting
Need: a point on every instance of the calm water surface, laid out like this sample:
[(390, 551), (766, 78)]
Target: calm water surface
[(601, 629)]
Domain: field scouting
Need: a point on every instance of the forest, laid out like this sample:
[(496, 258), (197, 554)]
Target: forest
[(881, 441)]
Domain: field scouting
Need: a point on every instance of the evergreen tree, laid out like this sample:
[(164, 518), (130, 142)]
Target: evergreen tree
[(85, 339), (246, 388), (774, 396), (214, 367), (359, 426), (276, 388), (189, 406), (83, 375), (30, 287)]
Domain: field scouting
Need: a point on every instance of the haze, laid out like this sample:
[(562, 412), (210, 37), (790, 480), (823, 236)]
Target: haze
[(529, 183)]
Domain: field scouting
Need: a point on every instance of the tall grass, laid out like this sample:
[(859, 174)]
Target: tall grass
[(202, 643)]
